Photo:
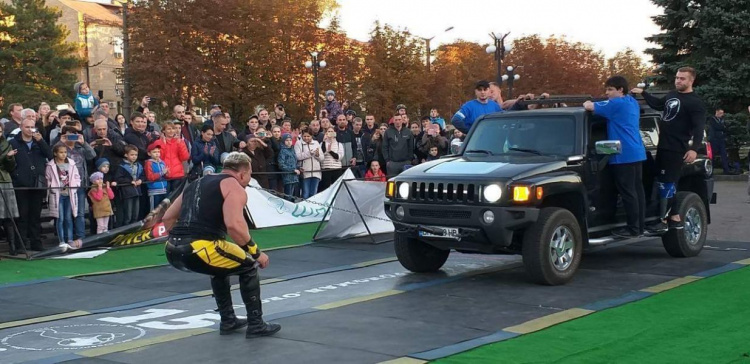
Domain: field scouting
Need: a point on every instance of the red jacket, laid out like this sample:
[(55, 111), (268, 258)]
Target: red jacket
[(369, 176), (173, 154)]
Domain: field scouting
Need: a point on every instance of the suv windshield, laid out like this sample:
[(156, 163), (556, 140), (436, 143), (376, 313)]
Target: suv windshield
[(529, 135)]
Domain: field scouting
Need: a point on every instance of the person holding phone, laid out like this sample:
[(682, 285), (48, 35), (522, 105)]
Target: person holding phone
[(82, 154), (31, 160)]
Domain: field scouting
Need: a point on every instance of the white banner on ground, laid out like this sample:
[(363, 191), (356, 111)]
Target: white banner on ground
[(369, 200), (267, 210)]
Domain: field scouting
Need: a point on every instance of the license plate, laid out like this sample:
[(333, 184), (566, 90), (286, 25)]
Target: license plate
[(448, 233)]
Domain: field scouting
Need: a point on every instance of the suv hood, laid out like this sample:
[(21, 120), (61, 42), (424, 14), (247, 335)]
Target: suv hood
[(492, 167)]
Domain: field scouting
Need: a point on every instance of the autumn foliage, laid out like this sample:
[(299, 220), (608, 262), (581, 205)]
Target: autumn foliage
[(242, 53)]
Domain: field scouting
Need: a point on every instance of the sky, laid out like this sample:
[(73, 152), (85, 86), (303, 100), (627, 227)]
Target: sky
[(608, 26)]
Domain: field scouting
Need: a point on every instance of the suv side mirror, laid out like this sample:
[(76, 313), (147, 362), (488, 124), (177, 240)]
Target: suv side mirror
[(608, 147)]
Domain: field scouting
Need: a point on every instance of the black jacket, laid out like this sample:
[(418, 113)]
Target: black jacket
[(398, 146), (140, 140), (30, 163), (717, 130)]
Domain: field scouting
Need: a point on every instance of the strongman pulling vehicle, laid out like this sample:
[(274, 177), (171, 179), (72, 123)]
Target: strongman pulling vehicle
[(536, 183)]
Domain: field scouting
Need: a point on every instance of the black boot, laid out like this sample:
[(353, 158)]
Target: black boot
[(223, 296), (10, 233), (250, 291)]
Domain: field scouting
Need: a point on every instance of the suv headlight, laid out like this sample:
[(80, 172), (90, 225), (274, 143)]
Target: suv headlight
[(403, 190), (492, 193)]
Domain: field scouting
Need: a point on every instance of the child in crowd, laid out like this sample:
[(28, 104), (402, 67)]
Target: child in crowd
[(64, 180), (128, 177), (156, 174), (85, 102), (101, 196), (288, 163), (433, 154), (374, 173)]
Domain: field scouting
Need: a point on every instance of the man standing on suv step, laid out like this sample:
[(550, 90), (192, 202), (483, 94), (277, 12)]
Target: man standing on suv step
[(683, 117), (472, 110), (623, 115)]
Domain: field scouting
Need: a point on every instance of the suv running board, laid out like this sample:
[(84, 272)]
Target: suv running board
[(602, 241)]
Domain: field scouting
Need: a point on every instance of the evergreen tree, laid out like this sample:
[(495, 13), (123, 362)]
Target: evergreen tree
[(36, 63)]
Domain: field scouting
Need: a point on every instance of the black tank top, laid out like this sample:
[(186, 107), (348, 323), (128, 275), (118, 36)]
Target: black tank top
[(202, 212)]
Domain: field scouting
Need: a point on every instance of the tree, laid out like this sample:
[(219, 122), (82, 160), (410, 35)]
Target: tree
[(455, 71), (557, 66), (395, 73), (36, 63), (629, 65), (680, 25)]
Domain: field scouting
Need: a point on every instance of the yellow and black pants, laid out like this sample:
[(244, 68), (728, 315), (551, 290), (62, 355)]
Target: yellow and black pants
[(220, 259), (212, 257)]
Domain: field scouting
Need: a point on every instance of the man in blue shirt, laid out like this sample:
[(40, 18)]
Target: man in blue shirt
[(472, 110), (623, 123)]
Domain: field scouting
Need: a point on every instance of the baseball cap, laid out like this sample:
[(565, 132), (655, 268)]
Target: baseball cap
[(154, 145), (400, 106), (217, 114), (351, 112), (482, 84)]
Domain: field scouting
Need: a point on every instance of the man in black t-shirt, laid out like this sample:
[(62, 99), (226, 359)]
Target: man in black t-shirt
[(683, 118)]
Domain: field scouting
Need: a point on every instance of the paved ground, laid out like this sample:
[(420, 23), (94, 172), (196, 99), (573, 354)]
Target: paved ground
[(345, 303)]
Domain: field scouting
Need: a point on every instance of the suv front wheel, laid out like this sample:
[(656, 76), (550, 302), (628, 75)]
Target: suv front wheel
[(689, 241), (552, 247), (418, 256)]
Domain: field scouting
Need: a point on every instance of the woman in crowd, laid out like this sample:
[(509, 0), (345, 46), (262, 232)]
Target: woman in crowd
[(310, 157), (122, 125), (275, 181), (8, 204), (333, 154)]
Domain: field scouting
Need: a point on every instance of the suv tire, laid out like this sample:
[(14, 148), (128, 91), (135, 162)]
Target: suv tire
[(552, 247), (689, 241), (418, 256)]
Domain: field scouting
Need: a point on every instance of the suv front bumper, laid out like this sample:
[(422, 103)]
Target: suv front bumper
[(474, 233)]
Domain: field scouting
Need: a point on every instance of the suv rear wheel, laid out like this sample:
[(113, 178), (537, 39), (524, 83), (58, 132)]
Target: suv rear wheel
[(552, 247), (689, 241), (418, 256)]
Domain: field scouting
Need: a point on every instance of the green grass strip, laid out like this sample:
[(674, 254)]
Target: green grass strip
[(12, 271), (703, 322)]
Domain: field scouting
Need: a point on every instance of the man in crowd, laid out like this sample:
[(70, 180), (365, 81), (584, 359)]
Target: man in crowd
[(496, 93), (225, 141), (199, 222), (14, 111), (33, 153), (682, 118), (436, 119), (472, 110), (360, 142), (108, 144), (345, 137), (623, 123), (369, 126), (398, 147), (717, 135), (315, 130)]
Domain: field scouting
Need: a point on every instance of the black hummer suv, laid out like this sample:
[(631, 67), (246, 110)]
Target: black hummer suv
[(535, 183)]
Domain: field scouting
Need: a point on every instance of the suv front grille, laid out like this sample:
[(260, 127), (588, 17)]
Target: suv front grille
[(450, 214), (443, 192)]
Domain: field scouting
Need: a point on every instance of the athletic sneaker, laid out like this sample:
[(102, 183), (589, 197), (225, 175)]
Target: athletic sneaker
[(657, 228), (626, 232)]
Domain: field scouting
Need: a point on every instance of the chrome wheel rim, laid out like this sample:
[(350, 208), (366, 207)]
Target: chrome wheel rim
[(693, 226), (562, 248)]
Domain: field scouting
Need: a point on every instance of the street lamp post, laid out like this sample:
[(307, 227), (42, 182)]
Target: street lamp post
[(498, 48), (316, 64), (125, 53), (427, 45), (510, 77)]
